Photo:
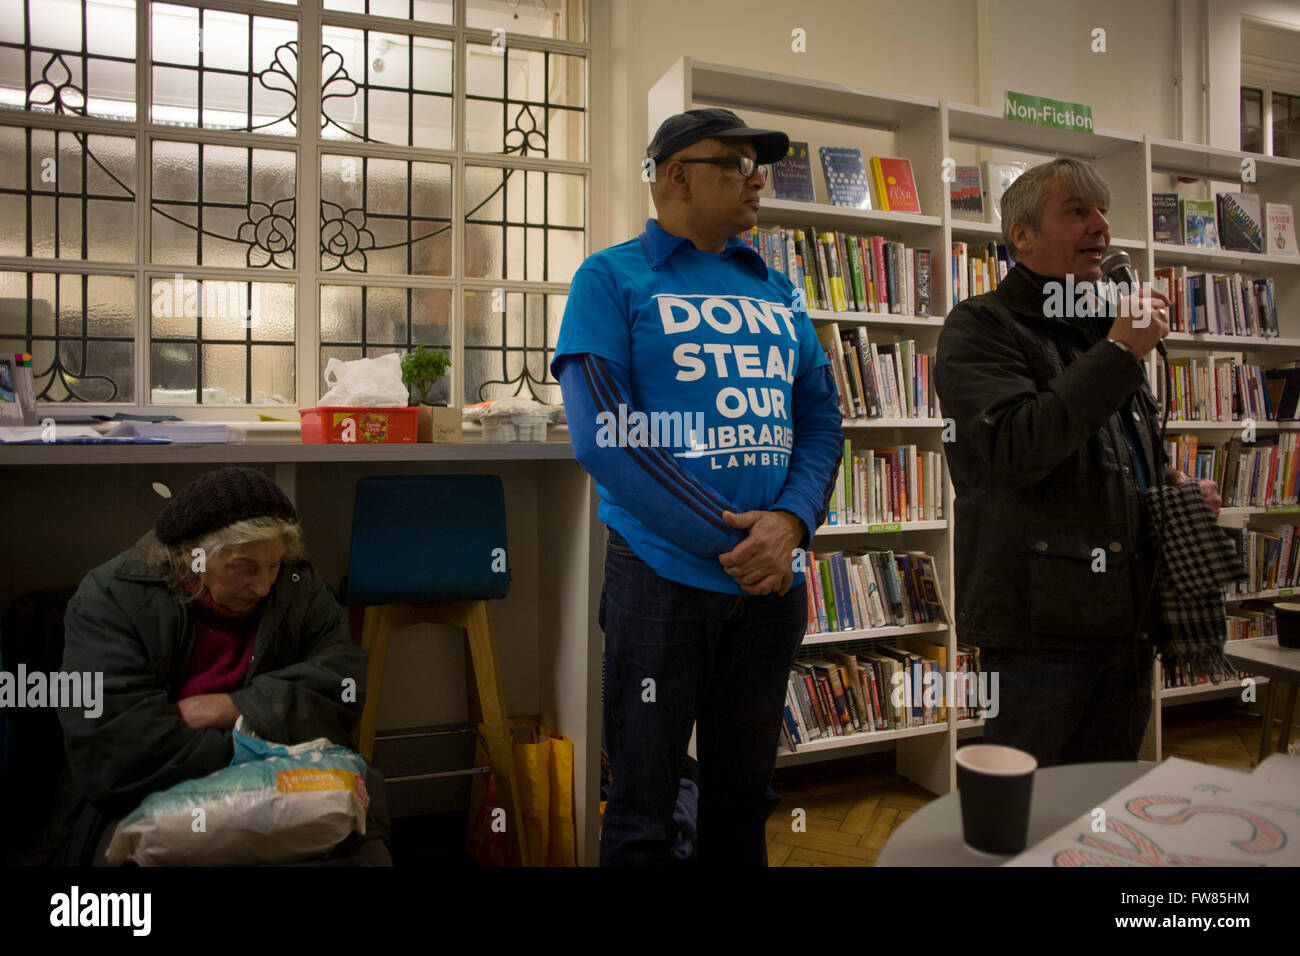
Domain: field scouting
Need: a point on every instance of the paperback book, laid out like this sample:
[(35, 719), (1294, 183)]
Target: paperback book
[(966, 194), (846, 177), (895, 185), (1164, 217), (997, 177), (1240, 228), (1281, 229), (792, 176), (1197, 221)]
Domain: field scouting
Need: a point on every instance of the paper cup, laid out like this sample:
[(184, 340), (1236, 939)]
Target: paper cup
[(996, 784), (1288, 623)]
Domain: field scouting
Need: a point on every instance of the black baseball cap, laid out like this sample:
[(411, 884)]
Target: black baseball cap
[(678, 132)]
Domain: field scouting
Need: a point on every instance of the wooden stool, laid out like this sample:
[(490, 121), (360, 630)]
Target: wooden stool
[(431, 549)]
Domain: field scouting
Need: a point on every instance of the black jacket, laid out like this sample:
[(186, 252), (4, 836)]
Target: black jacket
[(1041, 470), (124, 622)]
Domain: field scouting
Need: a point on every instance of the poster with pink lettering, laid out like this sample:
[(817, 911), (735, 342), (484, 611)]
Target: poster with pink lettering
[(1185, 813)]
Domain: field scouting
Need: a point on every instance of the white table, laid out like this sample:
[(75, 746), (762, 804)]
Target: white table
[(1281, 665), (932, 835)]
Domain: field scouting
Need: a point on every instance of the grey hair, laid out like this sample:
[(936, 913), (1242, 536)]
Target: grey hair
[(1024, 199), (176, 562)]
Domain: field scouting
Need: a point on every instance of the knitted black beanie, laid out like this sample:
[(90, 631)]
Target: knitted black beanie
[(219, 498)]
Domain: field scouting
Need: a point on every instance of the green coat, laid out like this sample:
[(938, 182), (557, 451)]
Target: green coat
[(125, 622)]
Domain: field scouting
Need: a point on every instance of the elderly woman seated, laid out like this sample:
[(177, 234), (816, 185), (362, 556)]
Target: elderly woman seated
[(214, 615)]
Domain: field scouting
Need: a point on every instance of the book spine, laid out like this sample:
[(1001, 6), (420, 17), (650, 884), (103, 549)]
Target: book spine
[(828, 703), (824, 272), (882, 280), (871, 394), (843, 598), (828, 596), (878, 178), (856, 720), (846, 273), (856, 274)]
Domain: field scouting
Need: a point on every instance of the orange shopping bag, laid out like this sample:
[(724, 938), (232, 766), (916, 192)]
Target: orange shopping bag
[(543, 760)]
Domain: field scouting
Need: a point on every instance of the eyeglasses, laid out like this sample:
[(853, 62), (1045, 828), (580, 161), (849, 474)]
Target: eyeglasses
[(746, 165)]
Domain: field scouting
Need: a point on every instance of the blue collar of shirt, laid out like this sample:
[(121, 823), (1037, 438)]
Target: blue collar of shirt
[(658, 245)]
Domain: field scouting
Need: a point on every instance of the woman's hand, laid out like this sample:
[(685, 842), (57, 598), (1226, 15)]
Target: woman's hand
[(207, 710)]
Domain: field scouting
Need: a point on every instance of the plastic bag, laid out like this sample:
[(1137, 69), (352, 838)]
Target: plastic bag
[(499, 407), (367, 381), (274, 804)]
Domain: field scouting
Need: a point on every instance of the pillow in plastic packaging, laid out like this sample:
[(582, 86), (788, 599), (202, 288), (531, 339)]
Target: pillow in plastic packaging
[(275, 804)]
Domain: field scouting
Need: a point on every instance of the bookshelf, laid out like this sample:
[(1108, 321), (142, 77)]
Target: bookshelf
[(1277, 179), (925, 130)]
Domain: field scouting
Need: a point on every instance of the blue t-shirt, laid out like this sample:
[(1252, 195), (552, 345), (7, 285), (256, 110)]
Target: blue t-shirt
[(710, 340)]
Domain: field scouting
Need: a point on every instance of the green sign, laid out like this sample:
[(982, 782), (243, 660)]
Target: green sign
[(1282, 509), (1042, 111), (1285, 592), (873, 528)]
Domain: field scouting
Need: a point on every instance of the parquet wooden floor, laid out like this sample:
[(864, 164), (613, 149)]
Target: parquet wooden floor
[(852, 806)]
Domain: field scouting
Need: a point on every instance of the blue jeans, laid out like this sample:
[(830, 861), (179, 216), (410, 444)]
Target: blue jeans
[(677, 655), (1071, 702)]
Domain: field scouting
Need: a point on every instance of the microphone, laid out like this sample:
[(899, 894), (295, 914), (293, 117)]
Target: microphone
[(1118, 267)]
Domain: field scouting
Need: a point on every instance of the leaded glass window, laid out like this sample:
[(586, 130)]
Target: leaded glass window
[(453, 217)]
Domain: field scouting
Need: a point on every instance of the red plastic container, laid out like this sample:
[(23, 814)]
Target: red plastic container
[(341, 425)]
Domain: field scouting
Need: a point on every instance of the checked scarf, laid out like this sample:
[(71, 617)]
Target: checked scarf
[(1197, 560)]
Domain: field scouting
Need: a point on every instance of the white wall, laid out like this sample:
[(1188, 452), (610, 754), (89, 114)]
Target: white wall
[(1044, 47), (925, 47), (1225, 59)]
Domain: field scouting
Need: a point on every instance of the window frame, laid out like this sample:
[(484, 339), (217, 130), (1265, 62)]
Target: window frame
[(309, 146)]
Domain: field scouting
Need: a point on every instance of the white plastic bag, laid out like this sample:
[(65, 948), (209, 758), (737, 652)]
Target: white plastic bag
[(376, 381), (275, 804)]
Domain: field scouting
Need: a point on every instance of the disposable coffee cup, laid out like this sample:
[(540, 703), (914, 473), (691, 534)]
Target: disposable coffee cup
[(996, 784), (1288, 624)]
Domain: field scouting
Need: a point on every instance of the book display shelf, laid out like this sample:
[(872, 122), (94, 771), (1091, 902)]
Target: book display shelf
[(926, 132)]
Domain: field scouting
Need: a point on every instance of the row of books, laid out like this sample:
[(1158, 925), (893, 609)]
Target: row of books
[(1271, 558), (879, 380), (839, 272), (977, 268), (847, 183), (1217, 387), (887, 483), (1173, 679), (1254, 475), (1221, 304), (844, 693), (1231, 220), (1250, 619), (849, 591)]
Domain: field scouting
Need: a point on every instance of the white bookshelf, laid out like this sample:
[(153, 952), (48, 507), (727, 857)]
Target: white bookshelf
[(1229, 343), (893, 423), (871, 633), (919, 323), (1277, 179), (883, 527), (1227, 688), (924, 131), (909, 227)]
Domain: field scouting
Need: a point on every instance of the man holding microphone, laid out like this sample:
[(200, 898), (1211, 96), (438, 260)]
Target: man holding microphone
[(1057, 439)]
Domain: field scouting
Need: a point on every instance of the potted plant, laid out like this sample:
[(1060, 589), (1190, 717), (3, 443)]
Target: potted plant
[(421, 371)]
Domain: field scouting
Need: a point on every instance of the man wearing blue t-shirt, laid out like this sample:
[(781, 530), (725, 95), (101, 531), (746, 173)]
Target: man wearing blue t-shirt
[(698, 398)]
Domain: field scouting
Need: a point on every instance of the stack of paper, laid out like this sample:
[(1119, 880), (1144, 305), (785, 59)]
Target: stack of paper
[(187, 432)]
